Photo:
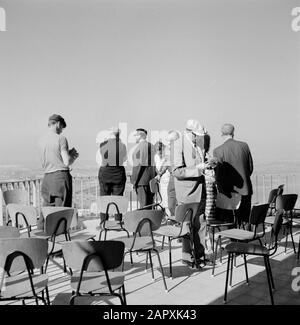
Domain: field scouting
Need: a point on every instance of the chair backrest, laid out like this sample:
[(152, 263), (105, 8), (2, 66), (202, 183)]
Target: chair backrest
[(133, 218), (57, 219), (35, 248), (15, 196), (111, 253), (277, 223), (286, 202), (112, 200), (15, 212), (226, 203), (181, 214), (274, 193), (258, 214), (9, 232)]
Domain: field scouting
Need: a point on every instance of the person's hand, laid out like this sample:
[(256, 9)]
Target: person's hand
[(212, 162), (73, 153), (202, 166)]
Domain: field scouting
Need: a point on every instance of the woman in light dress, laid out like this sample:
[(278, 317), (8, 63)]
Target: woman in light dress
[(163, 173)]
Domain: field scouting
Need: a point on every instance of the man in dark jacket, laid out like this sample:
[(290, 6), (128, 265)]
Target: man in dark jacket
[(143, 168), (234, 171)]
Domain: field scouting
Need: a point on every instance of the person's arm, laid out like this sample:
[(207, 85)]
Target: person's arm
[(189, 172), (124, 154), (98, 158), (250, 162), (68, 156)]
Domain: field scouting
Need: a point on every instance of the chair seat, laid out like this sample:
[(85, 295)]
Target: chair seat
[(19, 285), (96, 281), (238, 234), (270, 220), (37, 233), (245, 248), (141, 243), (169, 231), (111, 225), (81, 235), (219, 223)]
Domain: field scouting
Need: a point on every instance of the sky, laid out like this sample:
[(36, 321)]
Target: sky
[(152, 64)]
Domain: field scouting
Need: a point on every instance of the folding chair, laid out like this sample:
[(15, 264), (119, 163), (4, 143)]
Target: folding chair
[(112, 204), (19, 257), (142, 223), (94, 263), (247, 249), (184, 215)]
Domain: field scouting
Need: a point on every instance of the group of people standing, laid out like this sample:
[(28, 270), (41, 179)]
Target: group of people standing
[(184, 168)]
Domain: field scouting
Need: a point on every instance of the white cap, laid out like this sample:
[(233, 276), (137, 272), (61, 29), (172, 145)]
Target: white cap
[(195, 127), (172, 136)]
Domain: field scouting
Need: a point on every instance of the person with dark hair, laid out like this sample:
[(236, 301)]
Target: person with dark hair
[(143, 170), (234, 170), (56, 159), (111, 156)]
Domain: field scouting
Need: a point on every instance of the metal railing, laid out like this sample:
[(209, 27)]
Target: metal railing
[(86, 191)]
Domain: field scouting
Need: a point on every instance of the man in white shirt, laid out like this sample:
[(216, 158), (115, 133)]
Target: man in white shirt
[(56, 159)]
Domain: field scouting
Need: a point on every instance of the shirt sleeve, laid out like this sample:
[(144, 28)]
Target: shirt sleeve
[(64, 146)]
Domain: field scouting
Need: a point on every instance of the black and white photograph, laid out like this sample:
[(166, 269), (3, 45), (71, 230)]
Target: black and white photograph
[(149, 156)]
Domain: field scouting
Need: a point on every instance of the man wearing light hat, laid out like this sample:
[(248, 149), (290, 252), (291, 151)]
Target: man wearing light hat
[(56, 159), (188, 170), (143, 169)]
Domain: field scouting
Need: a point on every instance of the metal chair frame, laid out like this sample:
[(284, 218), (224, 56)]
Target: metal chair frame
[(102, 224), (245, 249)]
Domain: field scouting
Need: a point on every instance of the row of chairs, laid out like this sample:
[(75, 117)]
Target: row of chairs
[(277, 213), (81, 254), (183, 219)]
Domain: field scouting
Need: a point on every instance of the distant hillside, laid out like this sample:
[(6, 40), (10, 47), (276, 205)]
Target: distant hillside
[(19, 172)]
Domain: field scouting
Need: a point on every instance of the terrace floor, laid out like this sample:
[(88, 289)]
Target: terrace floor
[(191, 286)]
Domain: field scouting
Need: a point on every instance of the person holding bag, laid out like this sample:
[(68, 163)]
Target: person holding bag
[(188, 171)]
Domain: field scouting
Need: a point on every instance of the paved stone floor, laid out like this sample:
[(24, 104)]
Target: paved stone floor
[(191, 286)]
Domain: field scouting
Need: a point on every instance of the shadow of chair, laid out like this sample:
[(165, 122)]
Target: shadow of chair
[(106, 204), (92, 265), (19, 258), (256, 220), (57, 224), (225, 216), (184, 215), (142, 223), (285, 202), (246, 249)]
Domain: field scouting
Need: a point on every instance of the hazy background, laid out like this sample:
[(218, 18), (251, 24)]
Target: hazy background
[(151, 64)]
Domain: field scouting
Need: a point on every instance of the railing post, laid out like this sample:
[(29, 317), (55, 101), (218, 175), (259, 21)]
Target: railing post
[(39, 197), (81, 192), (34, 194), (1, 207), (96, 189), (264, 190), (256, 177), (130, 199)]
